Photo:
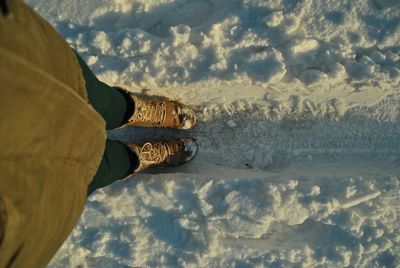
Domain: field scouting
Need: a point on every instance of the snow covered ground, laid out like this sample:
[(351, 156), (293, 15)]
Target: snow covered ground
[(298, 104)]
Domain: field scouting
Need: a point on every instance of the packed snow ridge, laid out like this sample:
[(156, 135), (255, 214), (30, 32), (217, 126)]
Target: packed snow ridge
[(298, 124)]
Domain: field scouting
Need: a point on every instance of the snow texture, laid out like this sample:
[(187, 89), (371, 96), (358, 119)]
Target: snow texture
[(298, 124)]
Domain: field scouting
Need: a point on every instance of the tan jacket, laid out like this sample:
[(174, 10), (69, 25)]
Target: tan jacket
[(51, 139)]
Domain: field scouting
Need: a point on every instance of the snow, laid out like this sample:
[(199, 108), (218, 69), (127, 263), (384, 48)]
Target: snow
[(298, 124)]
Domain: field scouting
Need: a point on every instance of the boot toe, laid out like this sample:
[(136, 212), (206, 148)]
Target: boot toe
[(187, 118), (191, 148)]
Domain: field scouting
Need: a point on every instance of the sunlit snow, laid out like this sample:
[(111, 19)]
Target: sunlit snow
[(298, 123)]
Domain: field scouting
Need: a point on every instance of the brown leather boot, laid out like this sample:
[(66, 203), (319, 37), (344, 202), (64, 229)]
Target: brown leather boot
[(161, 113), (164, 153)]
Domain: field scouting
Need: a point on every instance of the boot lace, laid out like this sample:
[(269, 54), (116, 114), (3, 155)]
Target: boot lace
[(153, 112), (154, 153)]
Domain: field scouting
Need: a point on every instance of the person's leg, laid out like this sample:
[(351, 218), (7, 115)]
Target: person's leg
[(112, 104), (121, 160), (118, 162), (119, 107)]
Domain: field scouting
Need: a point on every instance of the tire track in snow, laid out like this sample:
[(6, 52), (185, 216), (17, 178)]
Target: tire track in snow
[(254, 141), (253, 138)]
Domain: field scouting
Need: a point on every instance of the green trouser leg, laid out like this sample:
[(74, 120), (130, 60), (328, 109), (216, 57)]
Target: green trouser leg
[(118, 160), (108, 101), (115, 165)]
